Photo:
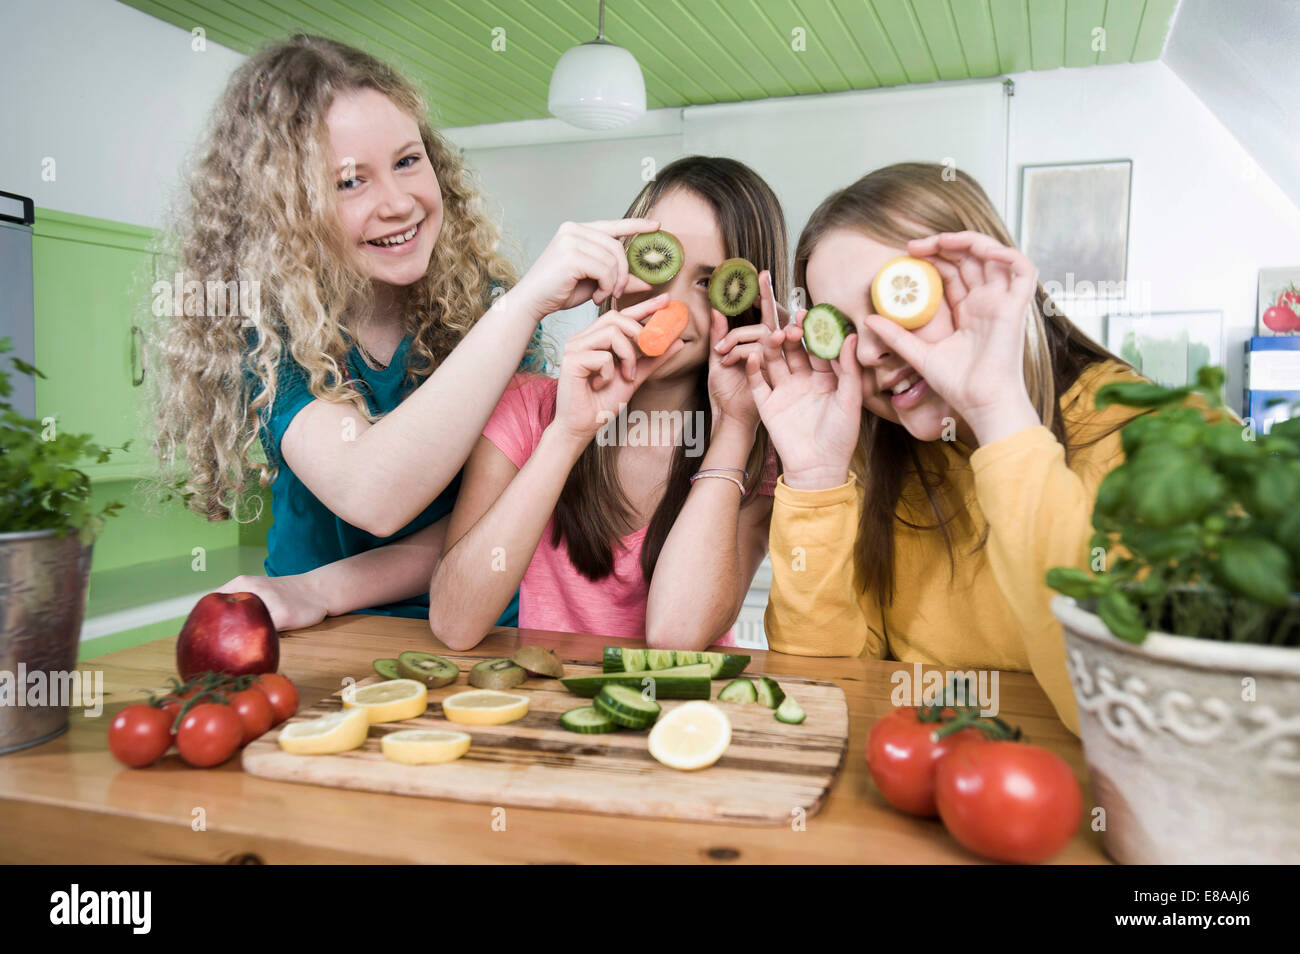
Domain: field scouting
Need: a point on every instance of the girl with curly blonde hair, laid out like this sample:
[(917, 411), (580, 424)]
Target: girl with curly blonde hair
[(382, 329)]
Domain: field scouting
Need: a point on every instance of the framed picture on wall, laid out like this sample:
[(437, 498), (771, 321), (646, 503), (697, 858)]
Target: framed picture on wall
[(1167, 347), (1074, 225), (1278, 303)]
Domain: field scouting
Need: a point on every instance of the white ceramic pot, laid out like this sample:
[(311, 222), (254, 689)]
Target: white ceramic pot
[(1193, 745)]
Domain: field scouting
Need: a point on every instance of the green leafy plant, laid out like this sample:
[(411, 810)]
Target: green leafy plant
[(1200, 525), (40, 485)]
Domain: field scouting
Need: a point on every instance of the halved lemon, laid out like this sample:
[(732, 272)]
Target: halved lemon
[(336, 732), (389, 701), (692, 736), (907, 290), (424, 746), (484, 707)]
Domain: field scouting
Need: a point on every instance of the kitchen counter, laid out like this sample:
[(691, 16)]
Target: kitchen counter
[(69, 801)]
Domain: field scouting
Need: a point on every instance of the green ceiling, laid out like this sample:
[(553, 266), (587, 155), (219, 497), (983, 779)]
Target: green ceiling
[(692, 51)]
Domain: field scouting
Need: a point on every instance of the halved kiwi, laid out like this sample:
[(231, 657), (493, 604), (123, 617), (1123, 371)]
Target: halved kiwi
[(387, 668), (654, 257), (497, 674), (733, 287), (539, 661), (433, 671)]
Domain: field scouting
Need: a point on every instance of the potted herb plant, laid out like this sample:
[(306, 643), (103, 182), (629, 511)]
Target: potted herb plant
[(1184, 642), (47, 530)]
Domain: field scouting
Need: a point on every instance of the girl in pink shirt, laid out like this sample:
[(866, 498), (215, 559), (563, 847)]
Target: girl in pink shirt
[(631, 496)]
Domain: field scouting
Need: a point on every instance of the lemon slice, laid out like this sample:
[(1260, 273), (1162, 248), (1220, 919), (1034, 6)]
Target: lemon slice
[(907, 290), (390, 701), (692, 736), (424, 746), (336, 732), (484, 707)]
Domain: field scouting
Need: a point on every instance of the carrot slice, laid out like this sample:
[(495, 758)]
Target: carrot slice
[(664, 327)]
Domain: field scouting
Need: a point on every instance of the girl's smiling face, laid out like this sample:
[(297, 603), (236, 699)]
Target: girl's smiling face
[(388, 195), (689, 217), (840, 272)]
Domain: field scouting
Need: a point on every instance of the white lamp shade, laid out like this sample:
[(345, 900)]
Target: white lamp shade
[(597, 86)]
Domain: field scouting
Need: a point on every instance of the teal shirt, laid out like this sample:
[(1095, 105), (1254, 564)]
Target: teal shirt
[(305, 534)]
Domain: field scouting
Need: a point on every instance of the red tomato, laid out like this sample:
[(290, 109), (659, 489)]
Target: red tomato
[(1281, 318), (209, 734), (280, 693), (254, 711), (139, 735), (902, 758), (173, 709), (1008, 801)]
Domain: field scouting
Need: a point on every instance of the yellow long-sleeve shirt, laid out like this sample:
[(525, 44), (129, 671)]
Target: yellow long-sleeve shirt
[(993, 611)]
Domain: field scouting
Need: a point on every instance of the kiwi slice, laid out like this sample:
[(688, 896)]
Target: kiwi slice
[(539, 661), (387, 668), (654, 257), (497, 674), (433, 671), (733, 287)]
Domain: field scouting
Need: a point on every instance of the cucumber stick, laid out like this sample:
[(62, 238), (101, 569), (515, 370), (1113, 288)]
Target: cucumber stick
[(621, 659), (683, 682)]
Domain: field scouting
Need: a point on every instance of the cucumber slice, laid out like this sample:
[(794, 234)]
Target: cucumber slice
[(686, 682), (659, 659), (626, 706), (687, 658), (738, 690), (769, 693), (788, 711), (433, 671), (824, 331), (586, 720), (387, 668), (634, 660)]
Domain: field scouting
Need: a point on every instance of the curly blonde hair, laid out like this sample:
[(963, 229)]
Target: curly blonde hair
[(262, 206)]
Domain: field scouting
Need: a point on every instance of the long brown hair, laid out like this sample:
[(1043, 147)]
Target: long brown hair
[(262, 205), (893, 205), (593, 512)]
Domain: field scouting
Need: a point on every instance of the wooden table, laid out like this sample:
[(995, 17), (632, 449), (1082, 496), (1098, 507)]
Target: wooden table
[(69, 801)]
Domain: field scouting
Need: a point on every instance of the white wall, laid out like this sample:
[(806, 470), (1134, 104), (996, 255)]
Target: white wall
[(1247, 68), (119, 99), (115, 97), (1204, 218)]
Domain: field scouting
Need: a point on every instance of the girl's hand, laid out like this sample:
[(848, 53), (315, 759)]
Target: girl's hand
[(602, 368), (812, 409), (585, 261), (979, 368), (729, 396), (291, 600)]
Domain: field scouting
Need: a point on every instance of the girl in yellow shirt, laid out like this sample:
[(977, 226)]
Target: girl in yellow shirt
[(931, 477)]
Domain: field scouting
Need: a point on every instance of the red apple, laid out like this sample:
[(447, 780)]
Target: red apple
[(230, 633)]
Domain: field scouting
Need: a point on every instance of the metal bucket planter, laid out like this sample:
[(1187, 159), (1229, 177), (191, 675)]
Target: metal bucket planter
[(43, 583), (1193, 745)]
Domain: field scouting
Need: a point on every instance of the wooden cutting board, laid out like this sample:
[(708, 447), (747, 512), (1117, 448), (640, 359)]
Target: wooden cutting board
[(771, 773)]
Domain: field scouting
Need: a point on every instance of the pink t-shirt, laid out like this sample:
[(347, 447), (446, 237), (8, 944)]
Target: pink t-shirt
[(553, 594)]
